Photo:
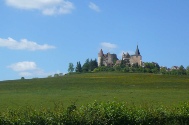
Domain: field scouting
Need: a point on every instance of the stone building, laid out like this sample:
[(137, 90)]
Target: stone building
[(111, 59), (133, 59), (106, 59)]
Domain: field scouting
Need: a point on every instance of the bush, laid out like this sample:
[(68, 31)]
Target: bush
[(113, 113)]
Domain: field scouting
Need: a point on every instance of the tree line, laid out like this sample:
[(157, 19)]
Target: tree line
[(135, 68), (91, 65), (88, 66), (180, 71)]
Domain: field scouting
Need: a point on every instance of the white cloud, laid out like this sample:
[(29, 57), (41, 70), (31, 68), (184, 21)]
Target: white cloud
[(35, 73), (24, 44), (25, 74), (47, 7), (94, 7), (108, 46), (23, 66), (28, 69)]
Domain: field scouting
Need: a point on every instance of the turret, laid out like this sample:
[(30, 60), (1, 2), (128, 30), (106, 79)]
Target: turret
[(100, 54), (137, 53), (100, 58)]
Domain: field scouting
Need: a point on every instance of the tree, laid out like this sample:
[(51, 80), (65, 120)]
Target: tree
[(85, 67), (60, 74), (117, 68), (151, 67), (50, 76), (22, 78), (163, 70), (126, 69), (123, 63), (78, 67), (187, 70), (93, 64), (56, 75), (70, 68), (182, 70)]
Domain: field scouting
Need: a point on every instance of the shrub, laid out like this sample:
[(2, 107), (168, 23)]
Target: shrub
[(100, 113)]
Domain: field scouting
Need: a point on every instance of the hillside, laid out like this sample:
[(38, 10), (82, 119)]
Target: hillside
[(85, 88)]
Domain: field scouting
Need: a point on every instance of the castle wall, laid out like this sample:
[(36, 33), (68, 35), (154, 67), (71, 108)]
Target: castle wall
[(107, 59), (99, 61), (110, 59), (136, 59)]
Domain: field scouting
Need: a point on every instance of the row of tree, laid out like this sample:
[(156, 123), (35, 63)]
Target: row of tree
[(180, 71), (88, 66), (124, 67), (148, 67)]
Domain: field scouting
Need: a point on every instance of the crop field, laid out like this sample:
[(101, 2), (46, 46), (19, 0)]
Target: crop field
[(81, 89)]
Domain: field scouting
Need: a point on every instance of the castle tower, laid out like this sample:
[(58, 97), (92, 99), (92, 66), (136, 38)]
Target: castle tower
[(137, 53), (100, 57), (137, 58)]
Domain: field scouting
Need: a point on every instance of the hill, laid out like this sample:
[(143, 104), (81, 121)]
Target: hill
[(85, 88)]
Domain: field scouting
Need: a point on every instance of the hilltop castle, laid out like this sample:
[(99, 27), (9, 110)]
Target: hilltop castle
[(111, 59)]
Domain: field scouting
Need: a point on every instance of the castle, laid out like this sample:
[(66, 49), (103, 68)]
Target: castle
[(111, 59)]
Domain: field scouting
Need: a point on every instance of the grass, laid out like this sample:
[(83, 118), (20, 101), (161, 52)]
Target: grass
[(82, 89)]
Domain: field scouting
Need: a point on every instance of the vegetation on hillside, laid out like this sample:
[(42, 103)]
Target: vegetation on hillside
[(108, 113), (146, 99), (85, 88), (147, 67)]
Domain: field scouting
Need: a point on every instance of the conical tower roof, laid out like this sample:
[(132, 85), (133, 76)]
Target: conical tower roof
[(137, 53), (100, 54)]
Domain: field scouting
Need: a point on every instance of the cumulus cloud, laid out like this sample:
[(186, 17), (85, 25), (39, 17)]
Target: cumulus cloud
[(47, 7), (23, 66), (24, 44), (25, 74), (28, 69), (94, 7), (108, 46)]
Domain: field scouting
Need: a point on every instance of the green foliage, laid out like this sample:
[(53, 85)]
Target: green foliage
[(70, 68), (163, 70), (85, 67), (99, 113), (56, 75), (78, 67), (135, 68), (104, 69), (93, 64), (187, 70), (89, 66), (22, 78), (182, 70), (146, 68), (151, 67)]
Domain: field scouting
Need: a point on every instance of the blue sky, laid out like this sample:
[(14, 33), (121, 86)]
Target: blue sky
[(41, 37)]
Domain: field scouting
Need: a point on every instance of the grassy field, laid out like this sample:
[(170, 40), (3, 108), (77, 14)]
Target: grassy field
[(81, 89)]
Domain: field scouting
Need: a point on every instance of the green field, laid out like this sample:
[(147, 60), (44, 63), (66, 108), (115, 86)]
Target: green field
[(85, 88)]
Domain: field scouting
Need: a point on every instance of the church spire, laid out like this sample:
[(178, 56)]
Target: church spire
[(137, 53)]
